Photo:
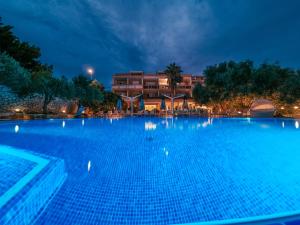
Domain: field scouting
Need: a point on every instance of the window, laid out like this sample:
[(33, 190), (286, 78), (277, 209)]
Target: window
[(163, 81)]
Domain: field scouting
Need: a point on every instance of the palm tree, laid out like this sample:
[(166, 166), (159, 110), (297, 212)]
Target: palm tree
[(173, 73)]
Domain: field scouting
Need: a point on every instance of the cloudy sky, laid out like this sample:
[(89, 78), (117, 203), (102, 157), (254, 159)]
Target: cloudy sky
[(119, 36)]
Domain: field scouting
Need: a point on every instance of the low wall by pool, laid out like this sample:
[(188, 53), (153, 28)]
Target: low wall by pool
[(28, 182)]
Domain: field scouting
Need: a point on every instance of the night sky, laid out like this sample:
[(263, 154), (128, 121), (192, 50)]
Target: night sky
[(119, 36)]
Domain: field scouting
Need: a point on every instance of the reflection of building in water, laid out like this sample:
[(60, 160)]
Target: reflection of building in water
[(153, 86), (205, 123), (150, 126)]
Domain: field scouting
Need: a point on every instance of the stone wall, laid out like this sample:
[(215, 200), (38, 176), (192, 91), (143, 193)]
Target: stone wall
[(10, 102)]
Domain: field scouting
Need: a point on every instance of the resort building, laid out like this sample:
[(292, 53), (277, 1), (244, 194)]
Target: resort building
[(153, 87)]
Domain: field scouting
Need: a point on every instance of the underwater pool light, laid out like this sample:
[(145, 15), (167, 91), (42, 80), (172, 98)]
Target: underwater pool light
[(17, 128)]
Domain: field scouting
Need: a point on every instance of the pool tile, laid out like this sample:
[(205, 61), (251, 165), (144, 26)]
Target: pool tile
[(28, 181)]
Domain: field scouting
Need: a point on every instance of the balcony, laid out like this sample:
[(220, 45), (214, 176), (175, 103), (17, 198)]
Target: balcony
[(149, 87), (127, 86), (182, 87)]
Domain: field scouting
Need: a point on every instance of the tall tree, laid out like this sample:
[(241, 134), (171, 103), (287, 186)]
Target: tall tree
[(110, 100), (89, 93), (173, 73), (200, 94), (46, 85), (26, 54)]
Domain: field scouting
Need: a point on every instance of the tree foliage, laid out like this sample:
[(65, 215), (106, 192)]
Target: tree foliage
[(200, 94), (290, 89), (44, 83), (89, 93), (13, 75), (25, 53), (110, 100), (173, 72), (22, 71), (234, 81)]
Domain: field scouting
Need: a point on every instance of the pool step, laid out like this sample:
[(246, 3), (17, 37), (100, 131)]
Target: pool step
[(28, 181)]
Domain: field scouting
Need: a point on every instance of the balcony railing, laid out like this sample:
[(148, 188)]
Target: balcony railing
[(128, 86), (184, 87), (150, 87)]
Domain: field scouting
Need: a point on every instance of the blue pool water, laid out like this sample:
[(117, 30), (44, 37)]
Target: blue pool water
[(166, 171), (13, 169)]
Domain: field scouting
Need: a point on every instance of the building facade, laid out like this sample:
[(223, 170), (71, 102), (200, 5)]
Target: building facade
[(153, 87)]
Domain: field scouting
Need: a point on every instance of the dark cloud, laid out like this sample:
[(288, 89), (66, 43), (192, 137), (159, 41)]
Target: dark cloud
[(117, 36)]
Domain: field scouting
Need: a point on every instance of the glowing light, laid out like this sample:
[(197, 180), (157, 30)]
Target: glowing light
[(82, 122), (17, 128), (150, 126), (17, 110), (89, 166), (281, 107), (282, 124), (90, 71), (296, 107), (163, 81), (239, 112), (205, 124), (297, 124), (64, 111), (166, 151), (63, 124)]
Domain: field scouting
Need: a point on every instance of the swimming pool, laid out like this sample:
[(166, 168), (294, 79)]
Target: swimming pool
[(166, 171)]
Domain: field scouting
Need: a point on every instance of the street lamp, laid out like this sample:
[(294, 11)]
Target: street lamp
[(90, 71)]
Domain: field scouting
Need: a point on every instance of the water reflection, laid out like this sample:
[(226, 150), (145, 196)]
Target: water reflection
[(63, 124), (296, 124), (17, 128), (82, 122), (150, 126), (89, 166), (205, 123), (166, 151)]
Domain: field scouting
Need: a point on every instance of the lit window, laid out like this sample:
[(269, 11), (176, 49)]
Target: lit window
[(163, 81)]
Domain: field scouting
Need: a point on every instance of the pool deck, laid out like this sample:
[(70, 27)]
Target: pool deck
[(28, 182)]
